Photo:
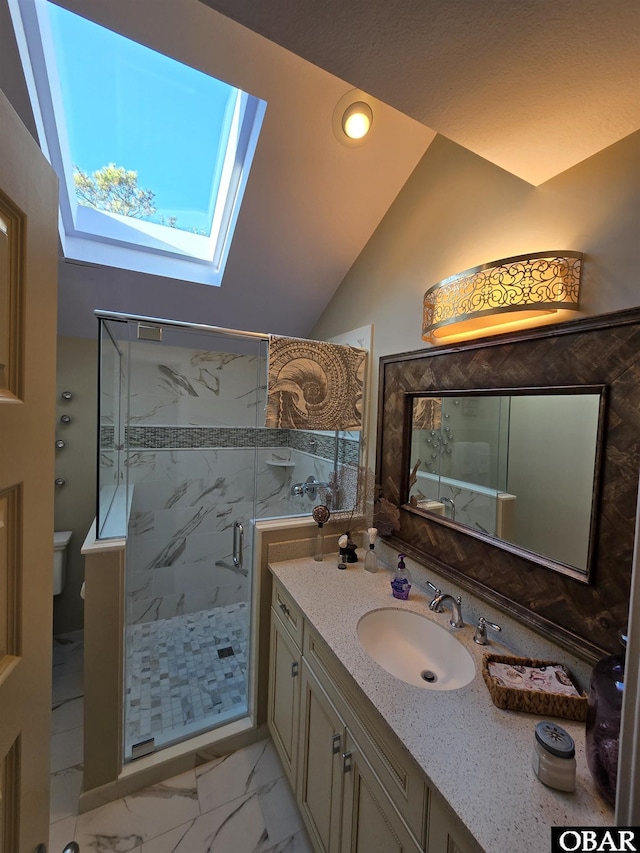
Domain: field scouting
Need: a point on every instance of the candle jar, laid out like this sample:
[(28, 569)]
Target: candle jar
[(554, 757)]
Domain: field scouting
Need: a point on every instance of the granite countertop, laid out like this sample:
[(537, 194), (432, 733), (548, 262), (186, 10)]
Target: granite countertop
[(476, 755)]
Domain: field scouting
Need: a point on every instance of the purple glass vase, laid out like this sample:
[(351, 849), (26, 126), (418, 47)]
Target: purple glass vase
[(603, 723)]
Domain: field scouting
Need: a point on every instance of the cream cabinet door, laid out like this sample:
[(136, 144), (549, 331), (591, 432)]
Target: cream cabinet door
[(320, 764), (370, 822), (28, 270), (284, 696), (446, 832)]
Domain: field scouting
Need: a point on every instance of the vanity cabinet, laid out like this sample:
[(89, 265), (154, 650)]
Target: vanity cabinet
[(343, 803), (358, 789)]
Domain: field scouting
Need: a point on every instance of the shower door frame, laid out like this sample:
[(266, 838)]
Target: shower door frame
[(247, 722)]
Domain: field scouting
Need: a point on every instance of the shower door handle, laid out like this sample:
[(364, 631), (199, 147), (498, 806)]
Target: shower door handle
[(238, 544)]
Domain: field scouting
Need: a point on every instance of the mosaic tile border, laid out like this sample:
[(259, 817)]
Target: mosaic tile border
[(194, 438)]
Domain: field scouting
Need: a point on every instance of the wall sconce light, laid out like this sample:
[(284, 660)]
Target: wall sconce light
[(353, 118), (513, 293)]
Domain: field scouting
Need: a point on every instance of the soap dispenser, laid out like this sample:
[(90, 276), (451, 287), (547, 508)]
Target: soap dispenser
[(401, 581)]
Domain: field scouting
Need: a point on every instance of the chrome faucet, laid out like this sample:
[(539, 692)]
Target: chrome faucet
[(480, 636), (456, 620), (450, 502), (309, 487)]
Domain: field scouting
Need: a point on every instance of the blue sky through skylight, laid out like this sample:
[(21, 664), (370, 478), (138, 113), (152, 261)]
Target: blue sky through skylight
[(129, 105)]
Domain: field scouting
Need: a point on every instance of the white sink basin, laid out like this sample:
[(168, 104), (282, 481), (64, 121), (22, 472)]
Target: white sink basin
[(415, 649)]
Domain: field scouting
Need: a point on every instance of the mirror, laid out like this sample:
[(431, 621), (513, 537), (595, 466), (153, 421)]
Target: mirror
[(521, 467), (580, 608)]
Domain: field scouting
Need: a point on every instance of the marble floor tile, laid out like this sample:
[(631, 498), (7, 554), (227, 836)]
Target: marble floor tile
[(231, 776), (67, 715), (236, 827), (298, 843), (66, 749), (281, 816), (232, 804), (125, 824), (65, 793)]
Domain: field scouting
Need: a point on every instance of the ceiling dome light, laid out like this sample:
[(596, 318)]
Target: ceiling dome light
[(357, 120)]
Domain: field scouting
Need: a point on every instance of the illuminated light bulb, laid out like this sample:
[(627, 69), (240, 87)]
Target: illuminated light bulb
[(357, 119)]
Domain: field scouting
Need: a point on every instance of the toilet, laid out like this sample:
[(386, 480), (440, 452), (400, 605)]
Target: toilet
[(61, 539)]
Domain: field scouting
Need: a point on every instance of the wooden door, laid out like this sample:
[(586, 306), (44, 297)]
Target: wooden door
[(284, 696), (28, 270)]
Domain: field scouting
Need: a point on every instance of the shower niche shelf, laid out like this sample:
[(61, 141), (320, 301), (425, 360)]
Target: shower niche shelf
[(281, 463)]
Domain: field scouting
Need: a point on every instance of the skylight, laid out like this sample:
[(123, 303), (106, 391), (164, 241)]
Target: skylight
[(153, 155)]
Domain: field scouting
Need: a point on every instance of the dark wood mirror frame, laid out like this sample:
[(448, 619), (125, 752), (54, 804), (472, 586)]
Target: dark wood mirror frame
[(603, 350)]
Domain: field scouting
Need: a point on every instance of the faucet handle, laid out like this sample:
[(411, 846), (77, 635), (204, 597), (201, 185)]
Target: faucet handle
[(480, 636), (437, 608)]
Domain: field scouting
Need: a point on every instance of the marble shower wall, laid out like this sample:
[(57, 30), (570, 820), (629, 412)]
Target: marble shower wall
[(191, 436), (180, 538), (179, 548)]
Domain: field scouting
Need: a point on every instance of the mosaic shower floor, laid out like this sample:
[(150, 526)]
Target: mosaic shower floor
[(185, 674)]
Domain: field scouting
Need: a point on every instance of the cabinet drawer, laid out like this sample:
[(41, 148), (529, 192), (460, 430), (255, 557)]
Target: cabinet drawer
[(288, 612), (401, 778)]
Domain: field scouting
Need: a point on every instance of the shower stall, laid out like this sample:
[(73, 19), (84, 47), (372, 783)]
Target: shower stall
[(185, 468)]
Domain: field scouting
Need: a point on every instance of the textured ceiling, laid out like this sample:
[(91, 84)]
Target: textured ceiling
[(534, 86)]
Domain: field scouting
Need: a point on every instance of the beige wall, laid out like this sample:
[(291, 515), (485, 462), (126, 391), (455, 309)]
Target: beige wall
[(75, 501), (457, 211)]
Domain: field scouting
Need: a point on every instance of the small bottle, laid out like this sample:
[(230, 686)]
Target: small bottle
[(318, 555), (401, 581), (342, 558), (370, 559), (553, 759)]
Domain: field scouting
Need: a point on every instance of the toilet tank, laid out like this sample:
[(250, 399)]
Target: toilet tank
[(61, 539)]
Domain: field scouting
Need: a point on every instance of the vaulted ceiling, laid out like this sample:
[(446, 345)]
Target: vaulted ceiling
[(534, 87)]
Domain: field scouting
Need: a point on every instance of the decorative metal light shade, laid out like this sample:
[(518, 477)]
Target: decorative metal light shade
[(525, 290)]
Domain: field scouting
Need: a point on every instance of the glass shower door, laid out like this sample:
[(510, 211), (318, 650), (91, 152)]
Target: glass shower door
[(195, 406)]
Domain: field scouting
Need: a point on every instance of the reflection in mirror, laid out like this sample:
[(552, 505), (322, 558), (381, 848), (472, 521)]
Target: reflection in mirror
[(519, 466)]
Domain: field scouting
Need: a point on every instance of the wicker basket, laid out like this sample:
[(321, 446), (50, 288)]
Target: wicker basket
[(533, 701)]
